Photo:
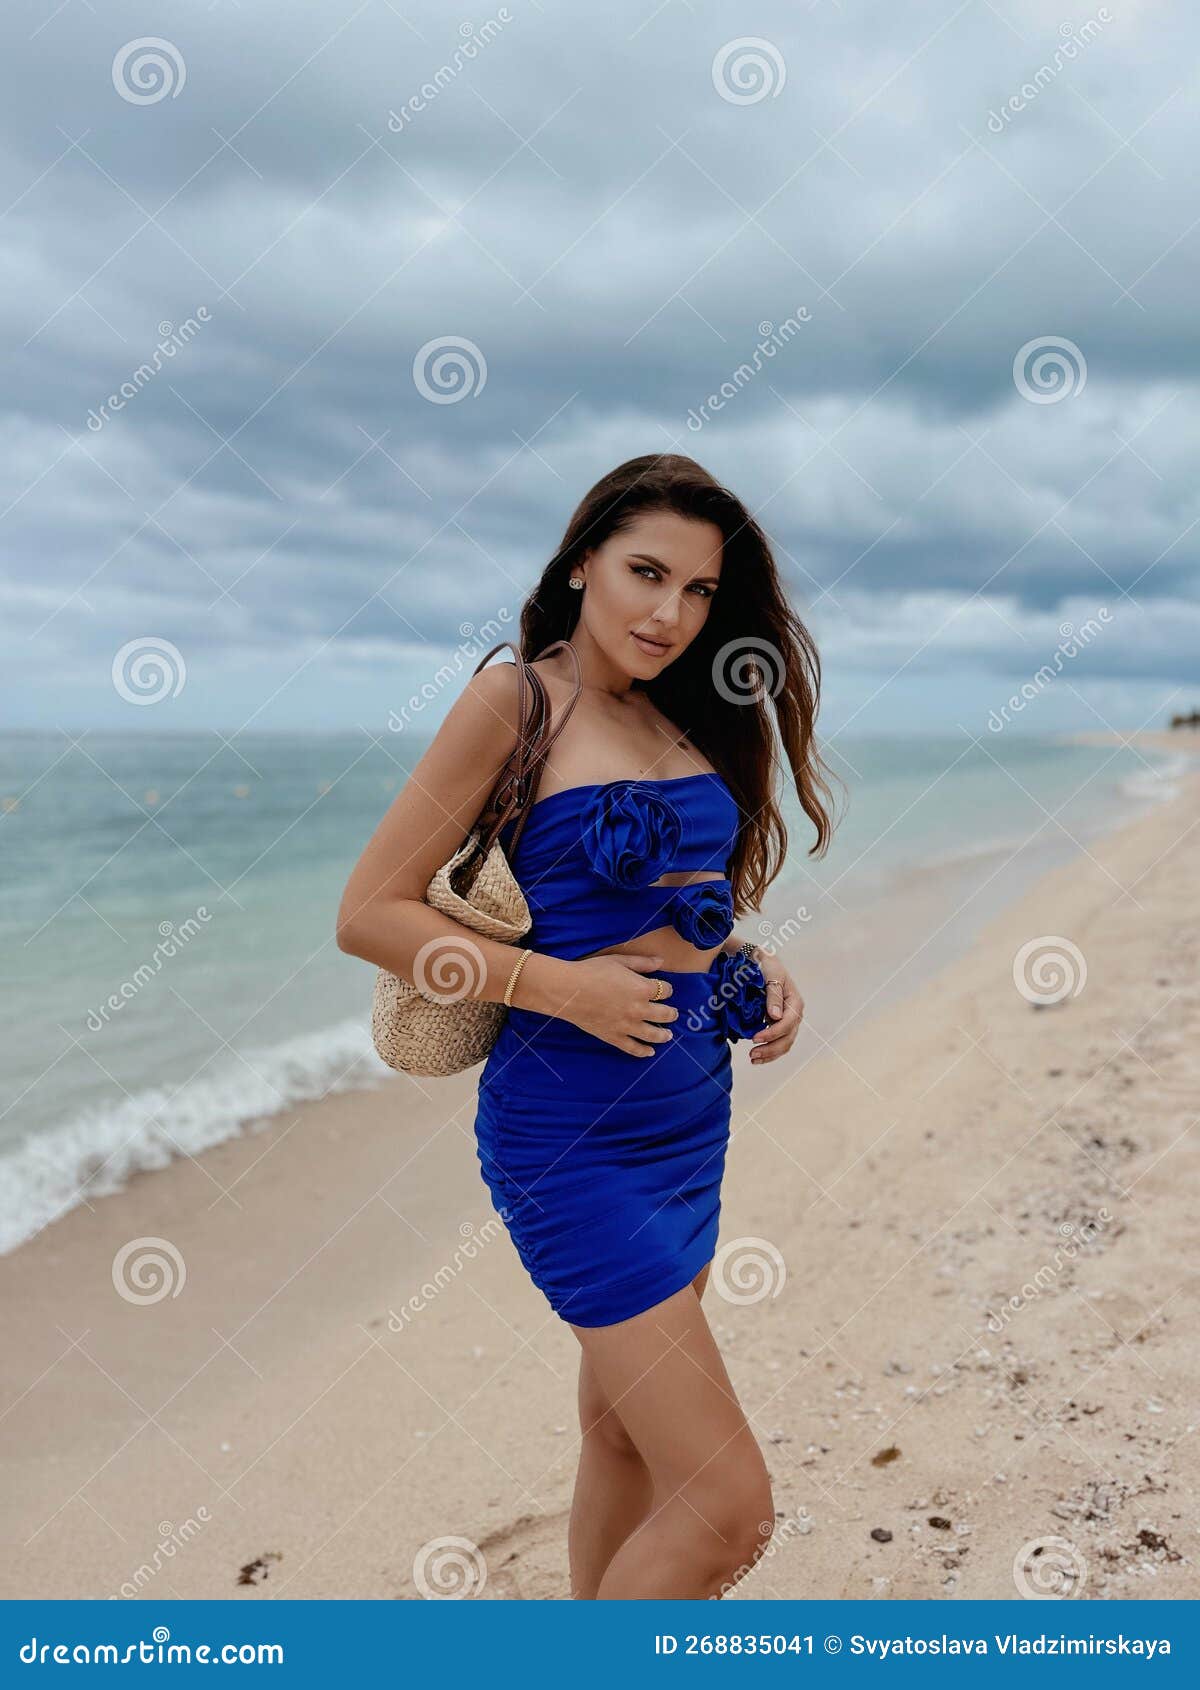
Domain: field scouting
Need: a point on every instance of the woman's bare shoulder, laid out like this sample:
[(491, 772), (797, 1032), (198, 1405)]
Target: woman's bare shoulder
[(480, 729), (490, 704), (495, 688), (557, 674)]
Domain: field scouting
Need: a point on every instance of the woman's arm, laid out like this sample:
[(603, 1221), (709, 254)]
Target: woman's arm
[(383, 916)]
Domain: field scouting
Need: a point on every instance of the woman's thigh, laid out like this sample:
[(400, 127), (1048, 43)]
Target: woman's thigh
[(596, 1412), (662, 1374)]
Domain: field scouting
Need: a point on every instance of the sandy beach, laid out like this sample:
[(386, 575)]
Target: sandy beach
[(959, 1300)]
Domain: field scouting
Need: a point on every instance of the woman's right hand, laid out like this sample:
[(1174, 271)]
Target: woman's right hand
[(612, 997)]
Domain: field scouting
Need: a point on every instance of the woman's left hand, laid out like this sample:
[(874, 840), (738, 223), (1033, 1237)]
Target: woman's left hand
[(785, 1010)]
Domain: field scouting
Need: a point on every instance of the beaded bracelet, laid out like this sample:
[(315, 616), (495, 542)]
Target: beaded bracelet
[(512, 979)]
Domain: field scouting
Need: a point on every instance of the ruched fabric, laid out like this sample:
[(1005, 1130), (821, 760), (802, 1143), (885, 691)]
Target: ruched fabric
[(606, 1167)]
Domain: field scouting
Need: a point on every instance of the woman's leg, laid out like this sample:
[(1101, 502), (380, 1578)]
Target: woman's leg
[(613, 1488), (711, 1510)]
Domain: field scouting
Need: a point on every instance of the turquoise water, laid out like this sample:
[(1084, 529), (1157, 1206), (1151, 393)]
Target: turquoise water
[(119, 851)]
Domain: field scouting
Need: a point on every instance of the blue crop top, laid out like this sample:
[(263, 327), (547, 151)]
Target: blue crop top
[(588, 855)]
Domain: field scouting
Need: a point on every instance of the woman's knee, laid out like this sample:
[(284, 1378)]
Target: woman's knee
[(734, 1497)]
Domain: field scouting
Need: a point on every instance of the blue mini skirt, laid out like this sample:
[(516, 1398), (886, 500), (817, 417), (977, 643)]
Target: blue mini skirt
[(606, 1167)]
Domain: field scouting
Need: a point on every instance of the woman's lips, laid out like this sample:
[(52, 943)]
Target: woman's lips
[(652, 648)]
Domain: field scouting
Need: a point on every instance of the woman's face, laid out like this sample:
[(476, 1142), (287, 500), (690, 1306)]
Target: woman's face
[(648, 589)]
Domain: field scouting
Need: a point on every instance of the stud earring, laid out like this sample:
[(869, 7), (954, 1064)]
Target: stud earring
[(574, 581)]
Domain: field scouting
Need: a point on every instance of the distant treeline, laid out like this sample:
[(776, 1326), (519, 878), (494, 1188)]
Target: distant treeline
[(1192, 721)]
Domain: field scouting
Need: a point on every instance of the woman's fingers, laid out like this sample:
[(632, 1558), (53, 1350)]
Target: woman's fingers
[(779, 1037), (633, 959), (656, 1008), (787, 1025)]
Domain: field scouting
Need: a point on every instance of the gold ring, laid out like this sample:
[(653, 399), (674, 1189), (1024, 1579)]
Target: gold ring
[(658, 990)]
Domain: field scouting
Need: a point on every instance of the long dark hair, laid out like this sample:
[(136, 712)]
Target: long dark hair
[(753, 649)]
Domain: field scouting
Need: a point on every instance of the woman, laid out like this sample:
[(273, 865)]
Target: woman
[(604, 1106)]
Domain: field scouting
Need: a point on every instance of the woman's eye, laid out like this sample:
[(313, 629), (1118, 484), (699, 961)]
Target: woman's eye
[(648, 569)]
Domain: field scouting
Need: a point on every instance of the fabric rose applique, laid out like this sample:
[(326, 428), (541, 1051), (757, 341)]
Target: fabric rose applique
[(702, 912), (631, 834), (741, 990)]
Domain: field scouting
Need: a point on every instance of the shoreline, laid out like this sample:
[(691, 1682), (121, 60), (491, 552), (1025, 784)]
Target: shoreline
[(351, 1363), (869, 913)]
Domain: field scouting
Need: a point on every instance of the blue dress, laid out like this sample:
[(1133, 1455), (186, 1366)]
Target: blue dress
[(606, 1167)]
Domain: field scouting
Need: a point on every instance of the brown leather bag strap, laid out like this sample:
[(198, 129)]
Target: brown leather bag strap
[(513, 791), (515, 763), (544, 741)]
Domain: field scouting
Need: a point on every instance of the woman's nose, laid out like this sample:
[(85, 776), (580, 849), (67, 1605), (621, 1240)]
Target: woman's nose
[(667, 612)]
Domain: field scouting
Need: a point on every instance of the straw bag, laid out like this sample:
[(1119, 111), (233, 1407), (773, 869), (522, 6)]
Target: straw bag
[(419, 1032)]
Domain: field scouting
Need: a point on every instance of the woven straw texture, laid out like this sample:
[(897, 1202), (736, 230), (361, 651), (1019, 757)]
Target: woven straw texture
[(417, 1032)]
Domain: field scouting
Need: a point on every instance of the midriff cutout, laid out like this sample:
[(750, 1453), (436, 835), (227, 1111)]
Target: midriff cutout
[(686, 877), (677, 954)]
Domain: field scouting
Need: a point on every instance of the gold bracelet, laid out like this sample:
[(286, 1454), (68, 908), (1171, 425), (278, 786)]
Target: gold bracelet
[(512, 979)]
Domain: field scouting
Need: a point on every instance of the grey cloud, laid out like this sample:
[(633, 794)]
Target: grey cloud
[(911, 233)]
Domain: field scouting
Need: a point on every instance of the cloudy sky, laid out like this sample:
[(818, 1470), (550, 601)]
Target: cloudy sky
[(967, 232)]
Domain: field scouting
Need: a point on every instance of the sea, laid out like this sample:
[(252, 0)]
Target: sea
[(168, 907)]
